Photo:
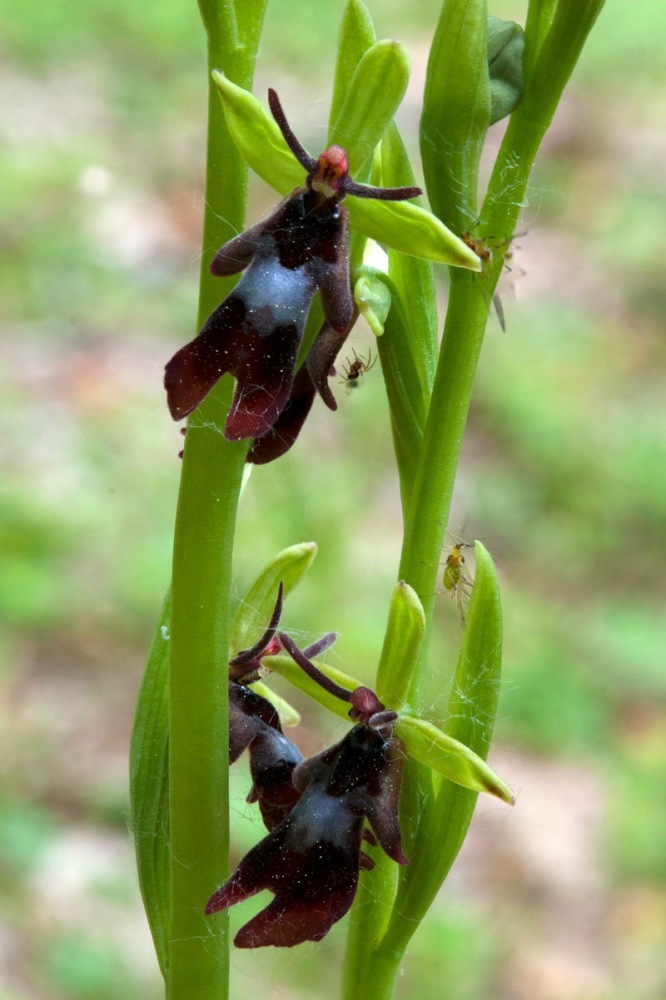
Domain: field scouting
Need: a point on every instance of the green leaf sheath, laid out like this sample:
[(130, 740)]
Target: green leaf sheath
[(149, 787)]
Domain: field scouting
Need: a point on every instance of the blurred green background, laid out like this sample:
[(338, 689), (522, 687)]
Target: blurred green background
[(562, 477)]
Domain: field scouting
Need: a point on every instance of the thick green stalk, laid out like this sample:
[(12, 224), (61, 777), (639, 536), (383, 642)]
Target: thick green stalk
[(371, 969), (203, 546)]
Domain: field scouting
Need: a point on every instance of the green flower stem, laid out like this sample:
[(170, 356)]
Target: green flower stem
[(203, 546), (426, 523), (370, 969)]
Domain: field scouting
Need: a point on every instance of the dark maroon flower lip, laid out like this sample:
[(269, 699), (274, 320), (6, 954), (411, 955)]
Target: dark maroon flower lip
[(256, 332), (311, 860)]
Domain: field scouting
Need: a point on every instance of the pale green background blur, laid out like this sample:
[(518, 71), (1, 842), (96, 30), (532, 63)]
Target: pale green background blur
[(562, 477)]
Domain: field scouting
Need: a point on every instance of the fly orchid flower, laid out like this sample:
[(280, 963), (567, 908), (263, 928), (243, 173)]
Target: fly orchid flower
[(255, 334), (311, 860)]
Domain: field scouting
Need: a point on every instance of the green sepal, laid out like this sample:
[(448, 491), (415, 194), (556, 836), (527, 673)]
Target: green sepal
[(356, 35), (373, 96), (373, 298), (402, 644), (285, 667), (257, 137), (450, 758), (396, 224), (506, 46), (456, 111), (149, 788), (256, 607), (403, 226)]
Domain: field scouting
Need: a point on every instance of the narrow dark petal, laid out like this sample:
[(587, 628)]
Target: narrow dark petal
[(320, 645), (382, 720), (281, 436), (306, 161), (311, 670), (382, 194), (242, 730), (235, 255), (246, 655)]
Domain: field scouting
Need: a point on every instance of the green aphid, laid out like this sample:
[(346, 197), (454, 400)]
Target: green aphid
[(457, 579)]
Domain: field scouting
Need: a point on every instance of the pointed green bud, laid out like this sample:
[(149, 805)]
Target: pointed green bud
[(256, 608), (402, 645), (456, 111), (455, 761), (357, 34), (373, 298), (506, 45), (373, 96)]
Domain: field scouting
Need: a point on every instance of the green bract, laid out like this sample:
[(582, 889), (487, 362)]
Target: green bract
[(402, 644), (396, 224)]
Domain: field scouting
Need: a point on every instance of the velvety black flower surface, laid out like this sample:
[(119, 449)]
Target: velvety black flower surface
[(255, 334), (311, 860)]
